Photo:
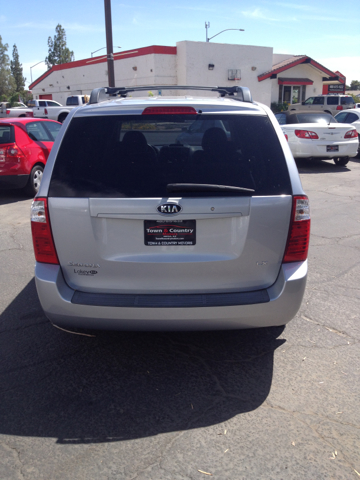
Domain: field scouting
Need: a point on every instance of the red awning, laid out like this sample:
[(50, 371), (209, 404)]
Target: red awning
[(294, 81)]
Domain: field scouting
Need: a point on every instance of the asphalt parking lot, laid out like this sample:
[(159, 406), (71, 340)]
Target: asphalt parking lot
[(277, 403)]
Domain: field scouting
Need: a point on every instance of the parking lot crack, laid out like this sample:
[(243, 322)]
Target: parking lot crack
[(330, 329), (16, 454)]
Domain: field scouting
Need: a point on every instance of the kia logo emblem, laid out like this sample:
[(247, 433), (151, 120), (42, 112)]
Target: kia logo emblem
[(169, 209)]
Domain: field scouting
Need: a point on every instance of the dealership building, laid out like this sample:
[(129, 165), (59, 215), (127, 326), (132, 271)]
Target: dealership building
[(270, 77)]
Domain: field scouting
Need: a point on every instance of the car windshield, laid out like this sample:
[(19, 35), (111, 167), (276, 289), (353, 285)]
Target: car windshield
[(140, 156), (315, 118)]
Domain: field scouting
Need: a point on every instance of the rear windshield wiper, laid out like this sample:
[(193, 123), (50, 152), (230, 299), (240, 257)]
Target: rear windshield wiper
[(204, 187)]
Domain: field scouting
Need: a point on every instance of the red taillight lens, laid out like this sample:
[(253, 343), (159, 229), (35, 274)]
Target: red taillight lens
[(339, 107), (286, 136), (11, 153), (351, 134), (29, 114), (169, 111), (299, 231), (44, 247), (7, 112), (46, 112), (306, 134)]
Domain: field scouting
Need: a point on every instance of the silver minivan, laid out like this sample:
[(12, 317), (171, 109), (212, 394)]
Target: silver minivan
[(134, 230)]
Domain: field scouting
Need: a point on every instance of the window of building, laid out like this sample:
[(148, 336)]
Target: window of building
[(292, 93)]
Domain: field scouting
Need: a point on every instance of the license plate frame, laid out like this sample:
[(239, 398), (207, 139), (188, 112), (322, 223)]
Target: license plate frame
[(169, 233), (332, 148)]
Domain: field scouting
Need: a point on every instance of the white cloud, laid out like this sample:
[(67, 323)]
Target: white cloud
[(297, 6), (259, 14)]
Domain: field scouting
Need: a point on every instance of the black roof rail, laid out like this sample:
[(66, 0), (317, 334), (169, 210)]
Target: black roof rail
[(101, 94)]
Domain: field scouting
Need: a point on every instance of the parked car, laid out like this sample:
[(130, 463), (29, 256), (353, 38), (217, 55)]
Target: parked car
[(317, 135), (332, 103), (55, 111), (35, 103), (352, 117), (18, 110), (25, 145), (162, 236)]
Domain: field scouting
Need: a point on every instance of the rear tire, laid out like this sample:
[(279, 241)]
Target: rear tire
[(34, 181), (62, 117), (341, 161)]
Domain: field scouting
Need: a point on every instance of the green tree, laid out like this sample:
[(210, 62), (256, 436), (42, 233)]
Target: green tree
[(355, 85), (58, 51), (7, 83), (17, 70)]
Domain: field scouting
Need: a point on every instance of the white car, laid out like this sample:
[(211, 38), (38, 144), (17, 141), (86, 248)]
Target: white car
[(18, 110), (317, 135), (352, 117)]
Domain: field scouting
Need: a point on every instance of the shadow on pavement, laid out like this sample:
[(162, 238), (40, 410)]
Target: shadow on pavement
[(305, 165), (13, 196), (124, 385)]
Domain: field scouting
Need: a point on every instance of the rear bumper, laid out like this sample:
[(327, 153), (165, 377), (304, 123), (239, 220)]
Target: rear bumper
[(319, 151), (283, 301), (13, 181)]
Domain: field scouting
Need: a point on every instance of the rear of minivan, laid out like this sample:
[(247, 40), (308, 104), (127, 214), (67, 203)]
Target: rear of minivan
[(135, 229)]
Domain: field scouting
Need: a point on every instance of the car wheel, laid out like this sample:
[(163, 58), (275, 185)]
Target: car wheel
[(341, 161), (33, 184), (62, 117)]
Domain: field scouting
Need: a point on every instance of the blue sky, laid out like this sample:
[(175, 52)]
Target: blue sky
[(326, 30)]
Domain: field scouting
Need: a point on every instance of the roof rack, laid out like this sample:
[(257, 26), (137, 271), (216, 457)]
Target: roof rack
[(101, 94)]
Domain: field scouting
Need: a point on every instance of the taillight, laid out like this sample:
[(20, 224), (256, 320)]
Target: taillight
[(7, 112), (299, 231), (351, 134), (29, 114), (306, 134), (43, 243), (45, 111), (11, 153), (169, 111), (339, 107), (286, 136)]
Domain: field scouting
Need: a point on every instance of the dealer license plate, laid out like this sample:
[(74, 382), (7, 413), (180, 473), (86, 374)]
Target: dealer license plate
[(174, 232), (332, 148)]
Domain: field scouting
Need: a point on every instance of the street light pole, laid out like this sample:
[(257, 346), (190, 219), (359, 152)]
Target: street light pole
[(109, 43), (33, 67), (102, 48), (207, 25)]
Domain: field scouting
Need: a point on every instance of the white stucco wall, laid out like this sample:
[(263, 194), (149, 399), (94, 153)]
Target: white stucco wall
[(188, 67), (185, 65), (193, 59), (148, 69)]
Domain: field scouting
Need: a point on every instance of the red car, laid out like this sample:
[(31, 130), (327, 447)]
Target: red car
[(25, 144)]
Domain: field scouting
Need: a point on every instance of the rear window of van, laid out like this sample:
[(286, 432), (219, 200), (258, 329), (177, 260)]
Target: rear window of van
[(141, 156)]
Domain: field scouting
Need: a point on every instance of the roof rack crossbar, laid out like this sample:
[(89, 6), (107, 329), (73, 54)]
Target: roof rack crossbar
[(101, 94)]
